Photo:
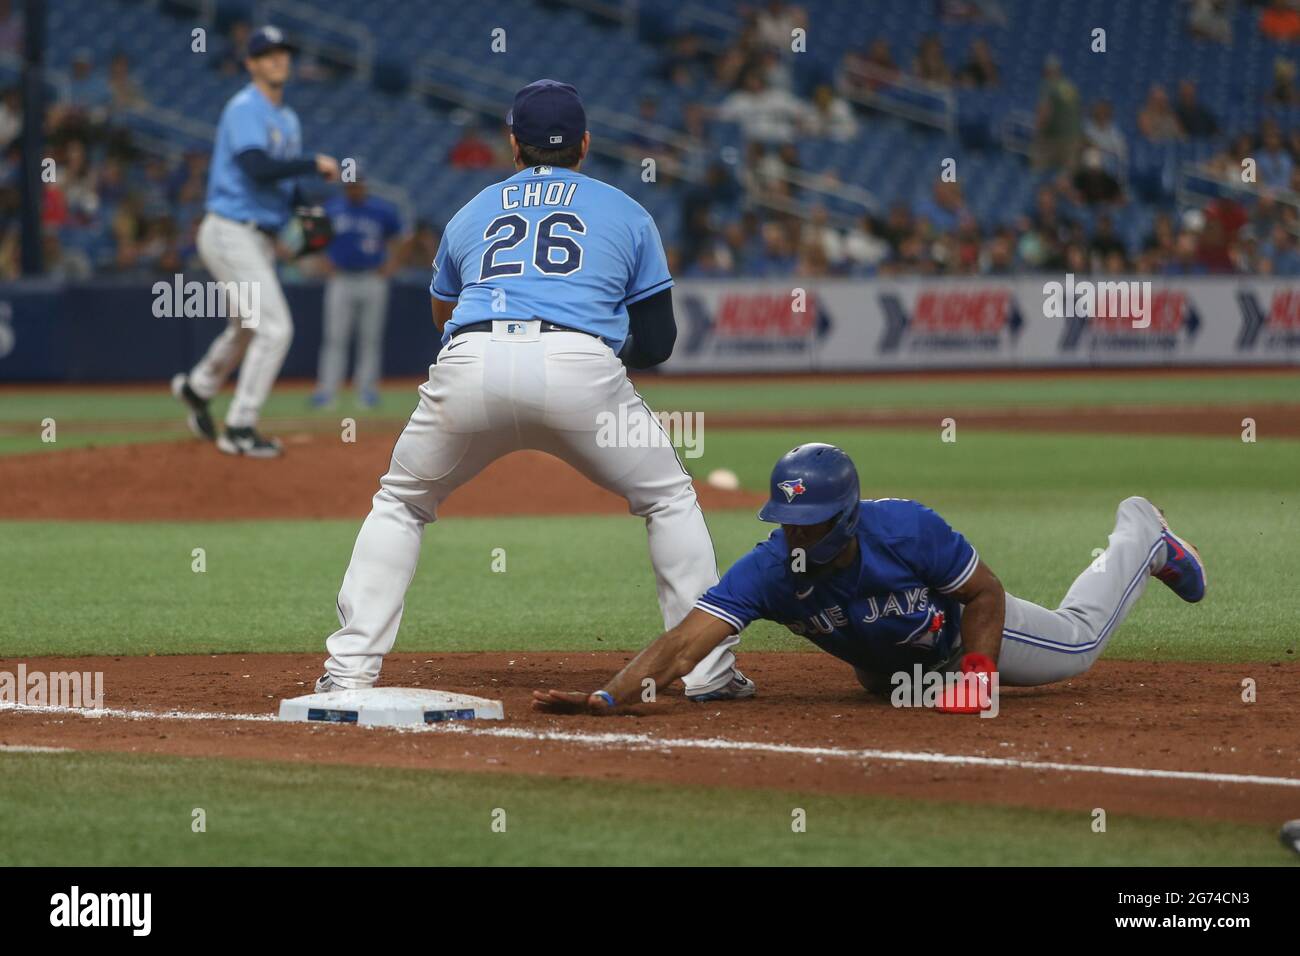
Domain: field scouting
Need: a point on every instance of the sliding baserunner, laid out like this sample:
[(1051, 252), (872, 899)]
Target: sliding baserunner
[(886, 585)]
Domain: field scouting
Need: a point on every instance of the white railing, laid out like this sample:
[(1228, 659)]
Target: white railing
[(664, 135), (868, 85), (306, 22), (1186, 194)]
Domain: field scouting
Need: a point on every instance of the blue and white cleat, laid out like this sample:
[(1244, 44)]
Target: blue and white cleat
[(1183, 571), (738, 688)]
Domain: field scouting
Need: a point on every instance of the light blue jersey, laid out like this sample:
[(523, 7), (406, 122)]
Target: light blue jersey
[(251, 121), (551, 244)]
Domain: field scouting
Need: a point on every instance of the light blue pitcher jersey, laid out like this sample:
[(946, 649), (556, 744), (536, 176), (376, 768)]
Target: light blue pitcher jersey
[(552, 244), (251, 121)]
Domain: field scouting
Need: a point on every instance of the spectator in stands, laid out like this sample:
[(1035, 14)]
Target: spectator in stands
[(124, 92), (1280, 22), (230, 62), (1100, 132), (998, 255), (1227, 165), (1156, 121), (1045, 232), (686, 60), (896, 227), (415, 252), (830, 117), (767, 172), (929, 64), (79, 182), (1281, 251), (1094, 184), (697, 218), (1211, 20), (1273, 163), (62, 265), (472, 151), (972, 11), (863, 250), (11, 116), (776, 22), (1105, 245), (1184, 261), (866, 72), (765, 114), (1197, 121), (11, 29), (87, 90), (980, 71), (1059, 126), (943, 210), (1284, 91)]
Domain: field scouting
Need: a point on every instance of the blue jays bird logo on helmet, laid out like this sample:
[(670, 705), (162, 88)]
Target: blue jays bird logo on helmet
[(812, 484), (792, 488)]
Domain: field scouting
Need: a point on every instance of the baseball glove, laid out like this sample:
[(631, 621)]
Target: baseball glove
[(309, 231)]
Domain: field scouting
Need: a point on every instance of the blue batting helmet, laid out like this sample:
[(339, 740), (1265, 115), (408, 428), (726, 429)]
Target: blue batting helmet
[(811, 484)]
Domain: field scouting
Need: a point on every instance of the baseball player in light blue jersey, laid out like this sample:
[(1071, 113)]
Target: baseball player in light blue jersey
[(356, 294), (251, 191), (545, 287), (889, 587)]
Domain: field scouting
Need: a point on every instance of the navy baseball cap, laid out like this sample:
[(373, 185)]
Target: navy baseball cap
[(268, 38), (548, 114)]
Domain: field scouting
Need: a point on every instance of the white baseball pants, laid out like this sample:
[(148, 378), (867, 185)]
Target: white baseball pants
[(355, 303), (258, 341), (1040, 646), (492, 393)]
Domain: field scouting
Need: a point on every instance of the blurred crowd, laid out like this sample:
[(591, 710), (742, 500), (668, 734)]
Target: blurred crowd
[(1079, 154), (113, 207), (117, 208)]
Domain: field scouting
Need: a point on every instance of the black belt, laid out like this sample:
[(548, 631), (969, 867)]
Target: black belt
[(546, 327)]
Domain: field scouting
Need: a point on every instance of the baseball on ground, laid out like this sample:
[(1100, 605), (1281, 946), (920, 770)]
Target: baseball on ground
[(723, 478)]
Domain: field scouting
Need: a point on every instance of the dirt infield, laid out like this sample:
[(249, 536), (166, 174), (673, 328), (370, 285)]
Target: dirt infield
[(319, 477), (810, 729)]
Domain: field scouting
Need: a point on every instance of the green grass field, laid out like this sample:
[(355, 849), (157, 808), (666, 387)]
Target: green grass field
[(1035, 505), (105, 809)]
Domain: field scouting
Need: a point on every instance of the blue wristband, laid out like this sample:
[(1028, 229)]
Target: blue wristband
[(606, 696)]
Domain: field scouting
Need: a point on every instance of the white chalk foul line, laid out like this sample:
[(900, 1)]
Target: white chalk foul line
[(648, 742)]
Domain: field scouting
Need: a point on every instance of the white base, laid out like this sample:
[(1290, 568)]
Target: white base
[(389, 707)]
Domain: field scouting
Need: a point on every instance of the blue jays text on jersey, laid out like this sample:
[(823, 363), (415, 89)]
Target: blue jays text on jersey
[(891, 608), (361, 232), (251, 121), (552, 244)]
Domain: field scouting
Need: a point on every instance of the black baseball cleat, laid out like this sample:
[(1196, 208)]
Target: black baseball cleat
[(199, 419), (246, 441)]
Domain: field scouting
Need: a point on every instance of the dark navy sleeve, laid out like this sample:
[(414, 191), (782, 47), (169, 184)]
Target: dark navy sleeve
[(944, 558), (741, 596)]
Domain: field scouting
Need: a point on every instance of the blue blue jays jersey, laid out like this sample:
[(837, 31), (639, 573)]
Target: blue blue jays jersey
[(251, 121), (361, 231), (887, 611), (552, 244)]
